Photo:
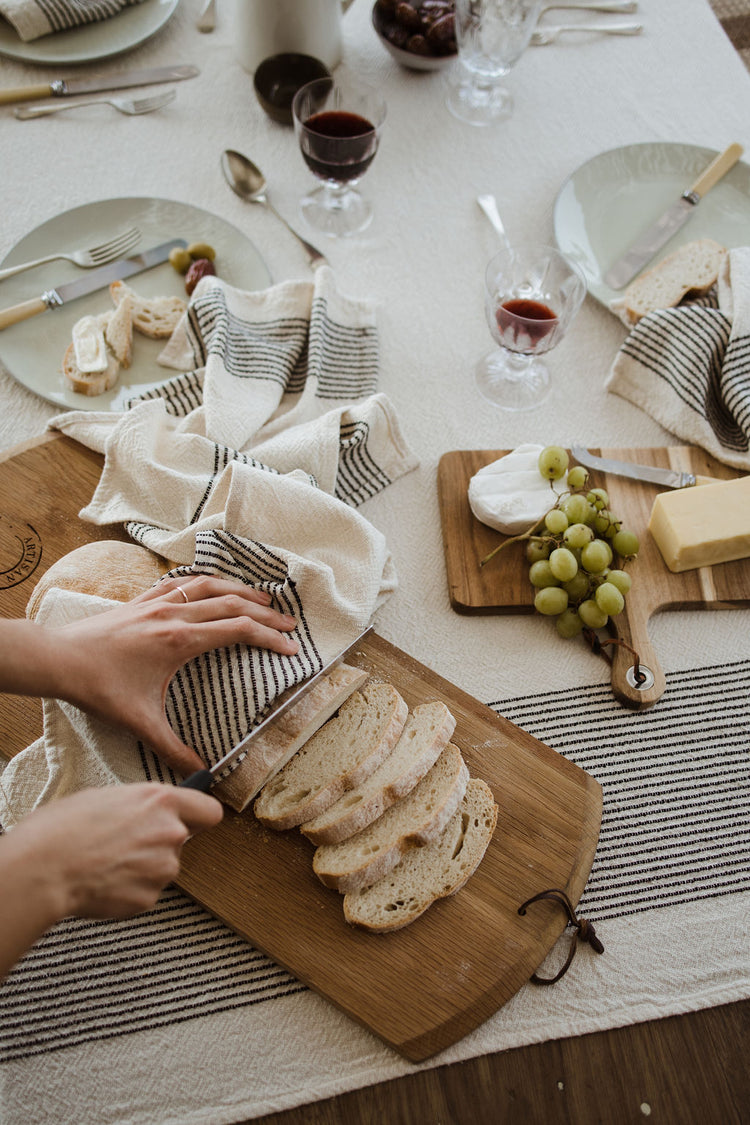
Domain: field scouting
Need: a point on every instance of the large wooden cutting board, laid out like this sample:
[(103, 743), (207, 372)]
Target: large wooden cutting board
[(419, 989), (502, 585)]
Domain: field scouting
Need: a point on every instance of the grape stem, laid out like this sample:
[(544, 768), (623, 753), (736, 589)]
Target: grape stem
[(528, 534)]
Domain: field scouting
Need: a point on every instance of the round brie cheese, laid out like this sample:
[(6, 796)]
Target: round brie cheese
[(511, 494)]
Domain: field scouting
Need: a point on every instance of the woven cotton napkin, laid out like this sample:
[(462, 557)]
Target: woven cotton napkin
[(288, 374), (689, 367), (34, 18)]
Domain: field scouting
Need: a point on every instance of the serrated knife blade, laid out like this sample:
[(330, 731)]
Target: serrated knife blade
[(622, 271), (90, 282), (69, 87)]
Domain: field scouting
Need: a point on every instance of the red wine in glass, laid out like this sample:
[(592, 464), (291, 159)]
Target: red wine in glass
[(519, 318), (337, 145)]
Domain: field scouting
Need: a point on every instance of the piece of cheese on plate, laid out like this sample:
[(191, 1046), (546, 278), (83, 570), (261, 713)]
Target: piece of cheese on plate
[(703, 525)]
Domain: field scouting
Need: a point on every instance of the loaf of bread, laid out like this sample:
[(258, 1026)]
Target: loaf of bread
[(425, 734), (156, 317), (689, 271), (337, 758), (426, 874), (271, 750), (109, 569), (414, 821)]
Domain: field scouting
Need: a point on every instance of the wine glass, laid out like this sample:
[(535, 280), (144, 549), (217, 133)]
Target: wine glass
[(338, 124), (491, 36), (531, 294)]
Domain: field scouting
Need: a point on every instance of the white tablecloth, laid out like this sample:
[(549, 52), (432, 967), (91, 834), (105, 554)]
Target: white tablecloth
[(423, 260)]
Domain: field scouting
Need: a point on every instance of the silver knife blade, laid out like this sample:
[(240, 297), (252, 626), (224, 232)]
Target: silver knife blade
[(659, 233), (666, 478), (67, 87), (286, 702)]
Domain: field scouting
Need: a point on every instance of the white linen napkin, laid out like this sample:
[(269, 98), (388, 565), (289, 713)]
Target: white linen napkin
[(291, 369), (34, 18), (689, 367)]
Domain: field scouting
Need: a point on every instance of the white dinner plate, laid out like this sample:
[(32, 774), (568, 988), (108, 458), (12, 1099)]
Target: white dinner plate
[(122, 32), (607, 202), (32, 350)]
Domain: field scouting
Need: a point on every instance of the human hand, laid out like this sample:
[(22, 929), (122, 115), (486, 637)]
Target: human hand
[(118, 664)]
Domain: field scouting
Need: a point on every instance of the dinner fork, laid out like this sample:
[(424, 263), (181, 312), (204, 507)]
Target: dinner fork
[(544, 35), (86, 259), (133, 107)]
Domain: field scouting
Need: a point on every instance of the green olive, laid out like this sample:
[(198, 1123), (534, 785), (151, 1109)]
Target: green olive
[(180, 259), (201, 250)]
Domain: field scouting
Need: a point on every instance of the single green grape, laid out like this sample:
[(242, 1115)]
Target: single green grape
[(569, 623), (599, 498), (563, 564), (614, 527), (601, 521), (575, 507), (577, 477), (540, 574), (537, 549), (553, 462), (596, 556), (626, 543), (577, 535), (551, 601), (578, 587), (556, 521), (621, 579), (609, 599), (591, 615)]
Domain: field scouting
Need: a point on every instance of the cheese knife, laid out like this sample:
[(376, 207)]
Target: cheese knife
[(651, 474), (205, 779), (69, 87), (82, 286), (645, 247)]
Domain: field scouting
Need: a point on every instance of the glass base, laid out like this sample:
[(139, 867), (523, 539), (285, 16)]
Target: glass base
[(477, 102), (512, 382), (336, 211)]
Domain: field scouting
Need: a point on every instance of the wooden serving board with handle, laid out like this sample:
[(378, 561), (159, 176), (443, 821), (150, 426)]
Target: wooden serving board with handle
[(502, 585), (419, 989)]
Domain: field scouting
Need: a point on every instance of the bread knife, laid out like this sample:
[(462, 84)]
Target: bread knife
[(205, 779), (643, 249), (651, 474), (69, 87), (89, 282)]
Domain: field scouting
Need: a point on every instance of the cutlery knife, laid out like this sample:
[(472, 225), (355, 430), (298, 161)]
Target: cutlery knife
[(69, 87), (651, 474), (97, 279), (645, 247), (205, 779)]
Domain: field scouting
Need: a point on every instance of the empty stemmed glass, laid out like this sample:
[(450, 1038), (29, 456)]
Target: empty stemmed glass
[(338, 124), (491, 36), (531, 295)]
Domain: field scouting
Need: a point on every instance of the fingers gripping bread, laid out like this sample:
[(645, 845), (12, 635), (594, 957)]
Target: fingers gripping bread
[(414, 821), (337, 758), (271, 750), (427, 731), (427, 874)]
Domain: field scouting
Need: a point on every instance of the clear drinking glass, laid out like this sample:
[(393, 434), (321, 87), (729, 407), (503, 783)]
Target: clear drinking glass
[(531, 294), (338, 124), (491, 36)]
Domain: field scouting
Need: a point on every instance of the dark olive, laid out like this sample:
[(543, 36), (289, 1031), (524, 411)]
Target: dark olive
[(201, 267)]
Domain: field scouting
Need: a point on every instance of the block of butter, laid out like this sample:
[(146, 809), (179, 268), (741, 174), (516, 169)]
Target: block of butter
[(703, 525)]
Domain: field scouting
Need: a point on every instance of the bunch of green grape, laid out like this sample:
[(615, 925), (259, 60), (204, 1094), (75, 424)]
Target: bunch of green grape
[(576, 551)]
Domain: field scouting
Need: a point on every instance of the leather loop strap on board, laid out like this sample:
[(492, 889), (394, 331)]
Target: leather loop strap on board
[(584, 931), (597, 646)]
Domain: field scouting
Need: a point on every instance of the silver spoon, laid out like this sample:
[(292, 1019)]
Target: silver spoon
[(207, 19), (247, 181), (489, 206)]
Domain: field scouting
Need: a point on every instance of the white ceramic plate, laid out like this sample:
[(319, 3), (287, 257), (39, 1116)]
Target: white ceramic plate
[(122, 32), (32, 350), (610, 200)]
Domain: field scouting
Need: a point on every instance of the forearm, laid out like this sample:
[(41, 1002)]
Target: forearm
[(29, 901), (28, 662)]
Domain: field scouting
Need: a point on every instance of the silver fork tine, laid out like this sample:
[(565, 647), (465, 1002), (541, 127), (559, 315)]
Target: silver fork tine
[(116, 246), (156, 101)]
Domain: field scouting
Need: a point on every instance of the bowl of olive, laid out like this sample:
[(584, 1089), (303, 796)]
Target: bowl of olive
[(419, 34), (278, 78)]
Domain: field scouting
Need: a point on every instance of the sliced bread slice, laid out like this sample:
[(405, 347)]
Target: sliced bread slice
[(339, 756), (414, 821), (427, 874), (118, 331), (271, 750), (424, 736), (690, 270), (89, 382), (156, 317)]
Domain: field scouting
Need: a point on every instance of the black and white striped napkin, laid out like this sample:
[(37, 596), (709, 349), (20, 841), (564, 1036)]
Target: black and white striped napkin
[(689, 367), (34, 18)]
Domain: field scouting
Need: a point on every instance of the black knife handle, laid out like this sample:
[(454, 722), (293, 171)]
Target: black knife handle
[(201, 779)]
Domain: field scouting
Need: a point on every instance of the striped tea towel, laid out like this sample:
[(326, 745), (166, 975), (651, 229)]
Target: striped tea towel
[(689, 367), (285, 368), (34, 18)]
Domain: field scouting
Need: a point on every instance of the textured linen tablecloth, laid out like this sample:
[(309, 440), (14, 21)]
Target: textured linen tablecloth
[(422, 261)]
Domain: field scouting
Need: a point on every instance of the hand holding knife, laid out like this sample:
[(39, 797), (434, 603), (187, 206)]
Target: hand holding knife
[(69, 87)]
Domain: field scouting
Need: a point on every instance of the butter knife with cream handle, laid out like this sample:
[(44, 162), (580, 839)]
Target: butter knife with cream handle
[(70, 87)]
